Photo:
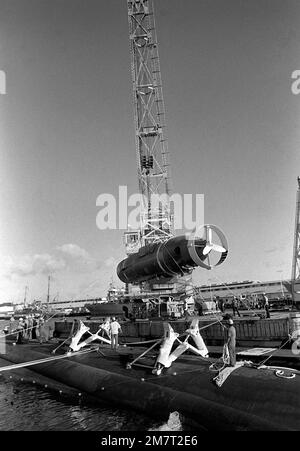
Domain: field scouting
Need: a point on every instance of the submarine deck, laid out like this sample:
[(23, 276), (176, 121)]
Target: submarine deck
[(249, 399)]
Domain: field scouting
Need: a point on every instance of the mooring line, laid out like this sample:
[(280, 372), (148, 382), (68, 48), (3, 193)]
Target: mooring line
[(45, 360), (17, 331)]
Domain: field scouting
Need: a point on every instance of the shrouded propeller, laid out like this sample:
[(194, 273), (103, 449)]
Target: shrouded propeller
[(201, 242), (210, 246), (176, 256)]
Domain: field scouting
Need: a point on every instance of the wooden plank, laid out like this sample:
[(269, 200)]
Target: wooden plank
[(259, 332)]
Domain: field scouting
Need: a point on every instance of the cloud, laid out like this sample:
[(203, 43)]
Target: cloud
[(110, 262), (281, 246), (75, 274), (274, 264), (68, 257), (273, 249), (31, 265), (73, 251), (76, 258)]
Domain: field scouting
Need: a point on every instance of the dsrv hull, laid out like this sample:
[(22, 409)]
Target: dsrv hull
[(177, 256)]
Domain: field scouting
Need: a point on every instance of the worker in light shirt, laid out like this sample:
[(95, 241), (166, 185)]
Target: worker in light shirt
[(115, 328)]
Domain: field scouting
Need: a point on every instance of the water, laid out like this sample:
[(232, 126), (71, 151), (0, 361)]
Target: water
[(24, 407), (27, 407)]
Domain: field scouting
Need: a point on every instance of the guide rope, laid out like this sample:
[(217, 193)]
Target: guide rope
[(234, 294), (45, 360), (16, 331)]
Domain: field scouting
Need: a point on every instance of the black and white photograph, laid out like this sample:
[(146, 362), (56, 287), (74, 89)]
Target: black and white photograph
[(149, 218)]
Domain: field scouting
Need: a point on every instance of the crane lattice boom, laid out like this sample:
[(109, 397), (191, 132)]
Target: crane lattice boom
[(150, 123)]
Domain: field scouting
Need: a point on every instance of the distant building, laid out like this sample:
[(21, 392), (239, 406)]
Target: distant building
[(249, 289), (7, 309), (69, 305)]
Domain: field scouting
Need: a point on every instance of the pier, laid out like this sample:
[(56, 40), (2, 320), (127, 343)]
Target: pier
[(250, 331)]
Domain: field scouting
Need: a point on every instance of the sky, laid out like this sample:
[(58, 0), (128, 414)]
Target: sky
[(67, 134)]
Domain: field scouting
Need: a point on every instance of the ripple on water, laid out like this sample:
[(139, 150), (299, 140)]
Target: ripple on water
[(27, 408)]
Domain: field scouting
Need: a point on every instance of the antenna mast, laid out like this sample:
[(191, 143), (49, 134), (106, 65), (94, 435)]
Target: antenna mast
[(150, 127), (25, 295), (48, 292)]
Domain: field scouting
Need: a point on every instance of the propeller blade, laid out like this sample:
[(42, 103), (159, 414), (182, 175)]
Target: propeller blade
[(209, 235), (213, 247), (207, 249), (218, 248), (208, 259)]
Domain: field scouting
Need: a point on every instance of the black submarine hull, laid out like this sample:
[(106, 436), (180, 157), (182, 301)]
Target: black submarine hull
[(176, 256), (250, 399), (158, 260)]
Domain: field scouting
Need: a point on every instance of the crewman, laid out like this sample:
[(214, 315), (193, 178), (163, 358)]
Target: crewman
[(231, 339), (235, 305), (34, 326), (11, 323), (20, 331), (266, 305), (115, 328), (43, 332), (30, 324), (221, 304), (105, 328)]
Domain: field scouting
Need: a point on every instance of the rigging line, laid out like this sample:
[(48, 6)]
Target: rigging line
[(156, 377), (45, 360), (56, 313), (174, 260), (140, 342), (50, 359), (273, 353), (211, 324), (213, 313), (241, 300), (82, 291), (16, 331), (273, 367)]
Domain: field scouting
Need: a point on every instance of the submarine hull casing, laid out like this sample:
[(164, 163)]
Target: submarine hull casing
[(161, 260)]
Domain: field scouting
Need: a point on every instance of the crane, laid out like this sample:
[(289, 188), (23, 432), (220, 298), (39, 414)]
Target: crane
[(157, 261), (295, 279), (151, 141)]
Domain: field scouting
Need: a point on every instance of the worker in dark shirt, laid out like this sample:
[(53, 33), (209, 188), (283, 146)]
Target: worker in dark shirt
[(231, 339), (235, 306), (221, 304)]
